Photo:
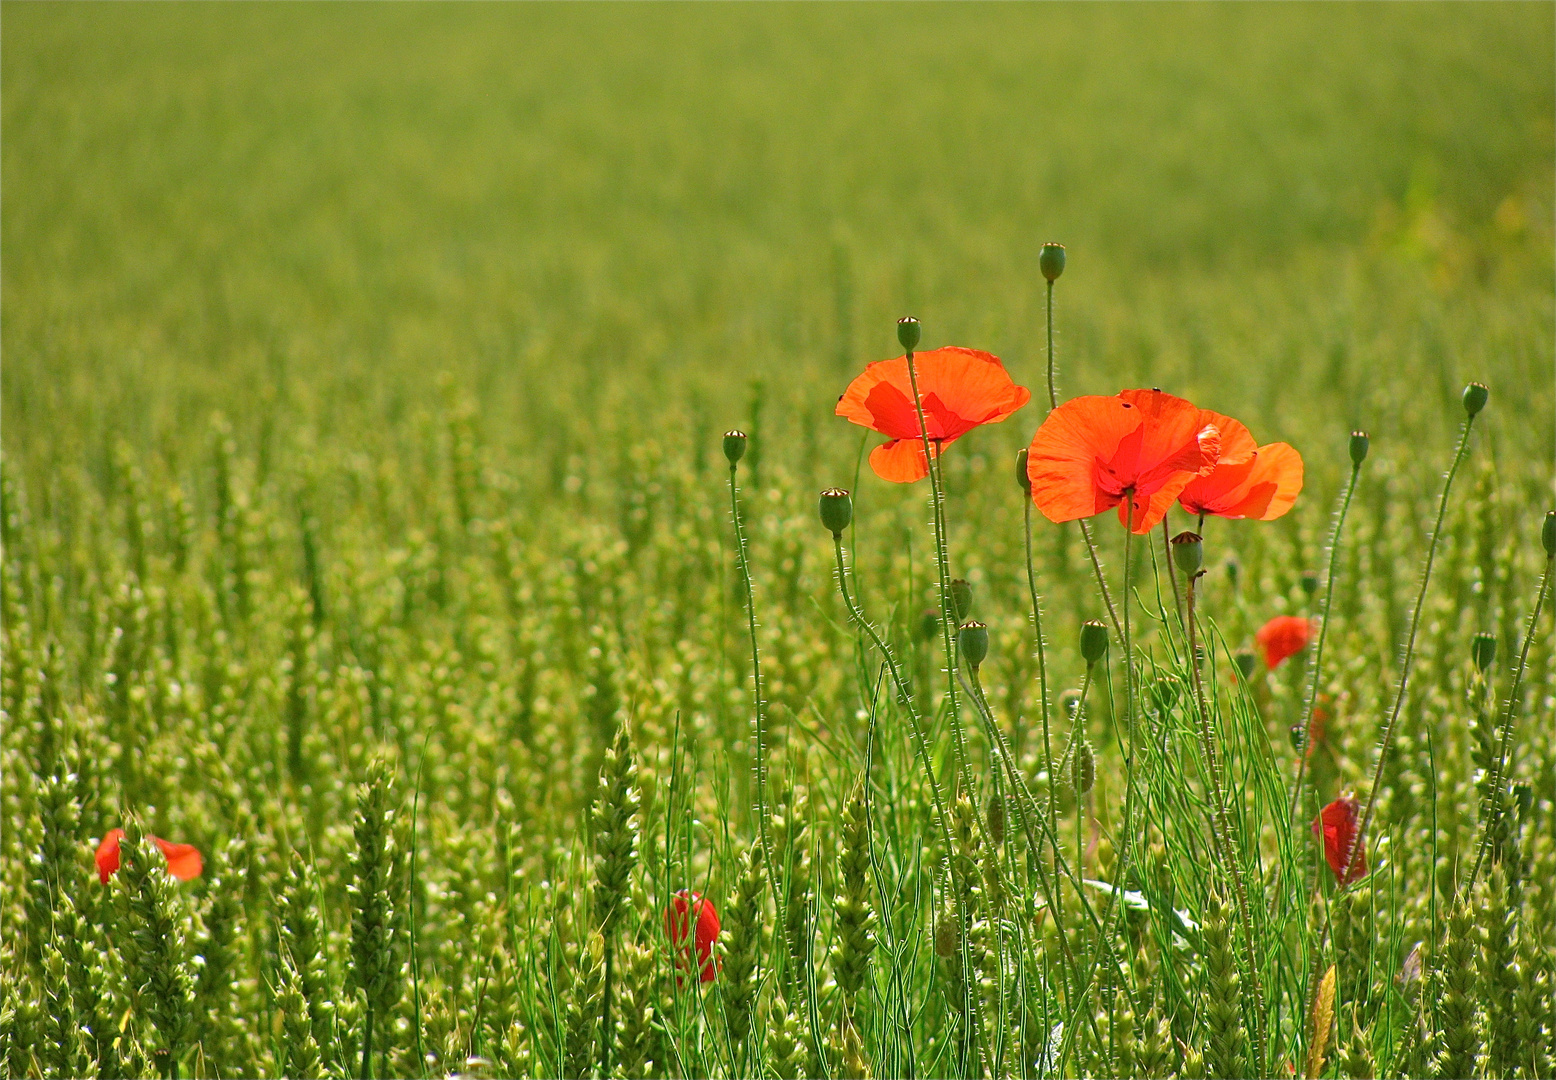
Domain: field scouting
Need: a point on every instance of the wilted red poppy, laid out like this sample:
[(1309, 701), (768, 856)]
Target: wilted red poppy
[(958, 388), (1337, 825), (683, 906), (183, 860), (1283, 636), (1249, 481), (1091, 450)]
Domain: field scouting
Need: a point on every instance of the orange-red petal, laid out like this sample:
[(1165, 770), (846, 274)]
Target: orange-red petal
[(1337, 825), (959, 389), (108, 855), (1282, 637), (183, 860), (1262, 487), (902, 461)]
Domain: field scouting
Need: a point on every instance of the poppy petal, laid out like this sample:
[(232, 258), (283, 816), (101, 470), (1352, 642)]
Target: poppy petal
[(108, 855), (958, 389), (183, 860), (1064, 461), (1262, 488), (1282, 637), (1337, 825), (901, 461)]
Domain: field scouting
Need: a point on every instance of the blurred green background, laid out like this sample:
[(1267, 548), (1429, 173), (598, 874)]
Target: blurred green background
[(598, 219)]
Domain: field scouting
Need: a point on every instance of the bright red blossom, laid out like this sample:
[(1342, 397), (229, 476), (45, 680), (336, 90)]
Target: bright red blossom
[(1091, 451), (1249, 481), (1283, 636), (685, 905), (1337, 825), (959, 390), (183, 860)]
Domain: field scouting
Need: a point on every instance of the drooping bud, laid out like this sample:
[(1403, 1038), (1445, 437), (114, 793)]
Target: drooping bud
[(1164, 692), (1475, 396), (1188, 552), (1023, 481), (837, 510), (1309, 581), (1233, 570), (1483, 650), (1050, 260), (1094, 641), (1070, 702), (994, 819), (961, 598), (929, 625), (1083, 769), (1548, 534), (1359, 444), (1245, 663), (973, 641), (908, 332), (734, 447)]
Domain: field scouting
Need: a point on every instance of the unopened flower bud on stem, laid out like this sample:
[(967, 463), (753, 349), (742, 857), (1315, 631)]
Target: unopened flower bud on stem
[(1359, 444), (1483, 650), (1050, 260), (1548, 534), (973, 641), (961, 598), (837, 510), (908, 332), (1475, 396), (1094, 641), (1023, 481), (734, 447)]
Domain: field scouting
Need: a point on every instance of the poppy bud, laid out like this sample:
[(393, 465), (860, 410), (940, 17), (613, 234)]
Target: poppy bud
[(1070, 702), (1083, 769), (1245, 663), (1050, 261), (1233, 569), (837, 510), (734, 447), (929, 624), (973, 641), (961, 598), (1548, 534), (1359, 444), (1188, 552), (1309, 581), (1023, 481), (908, 332), (1475, 395), (1094, 641), (994, 820), (1483, 650), (945, 938), (1164, 691)]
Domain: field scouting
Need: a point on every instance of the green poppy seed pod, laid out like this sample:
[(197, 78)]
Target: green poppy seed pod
[(1475, 395), (1051, 261), (929, 625), (734, 447), (1548, 534), (1188, 552), (1359, 444), (1309, 581), (908, 332), (961, 598), (1483, 650), (973, 641), (837, 510), (1083, 768), (1023, 481), (1245, 663), (1094, 641)]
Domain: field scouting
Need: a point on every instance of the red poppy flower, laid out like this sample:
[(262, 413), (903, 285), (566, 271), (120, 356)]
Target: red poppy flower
[(958, 388), (1091, 450), (683, 905), (1283, 636), (1249, 481), (183, 860), (1337, 825)]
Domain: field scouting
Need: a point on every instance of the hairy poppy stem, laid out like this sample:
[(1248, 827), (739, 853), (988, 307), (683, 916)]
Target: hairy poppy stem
[(1410, 650), (1221, 829), (759, 707), (1503, 766), (1318, 649), (1042, 679), (942, 564)]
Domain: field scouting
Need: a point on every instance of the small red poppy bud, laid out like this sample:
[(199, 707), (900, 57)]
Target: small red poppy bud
[(1188, 552), (961, 598), (908, 332), (1023, 479), (1050, 260), (1483, 650), (973, 641), (1475, 396), (1094, 641), (734, 447), (1548, 534), (837, 510), (684, 906), (1359, 444)]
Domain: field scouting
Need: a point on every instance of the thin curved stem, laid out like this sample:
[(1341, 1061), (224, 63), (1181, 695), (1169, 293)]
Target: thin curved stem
[(1042, 678), (1410, 649)]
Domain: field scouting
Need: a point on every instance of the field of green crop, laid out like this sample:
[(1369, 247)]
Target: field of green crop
[(367, 525)]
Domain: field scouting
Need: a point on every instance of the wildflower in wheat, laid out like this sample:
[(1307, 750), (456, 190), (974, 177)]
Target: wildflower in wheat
[(960, 389), (1283, 637), (183, 860), (1337, 825), (1249, 481), (684, 907)]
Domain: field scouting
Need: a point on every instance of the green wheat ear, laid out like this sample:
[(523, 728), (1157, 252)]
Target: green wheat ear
[(616, 830), (636, 1032), (1498, 972), (741, 944), (377, 896), (785, 1041), (1226, 1043), (581, 1019), (152, 945), (854, 917), (1456, 1033)]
